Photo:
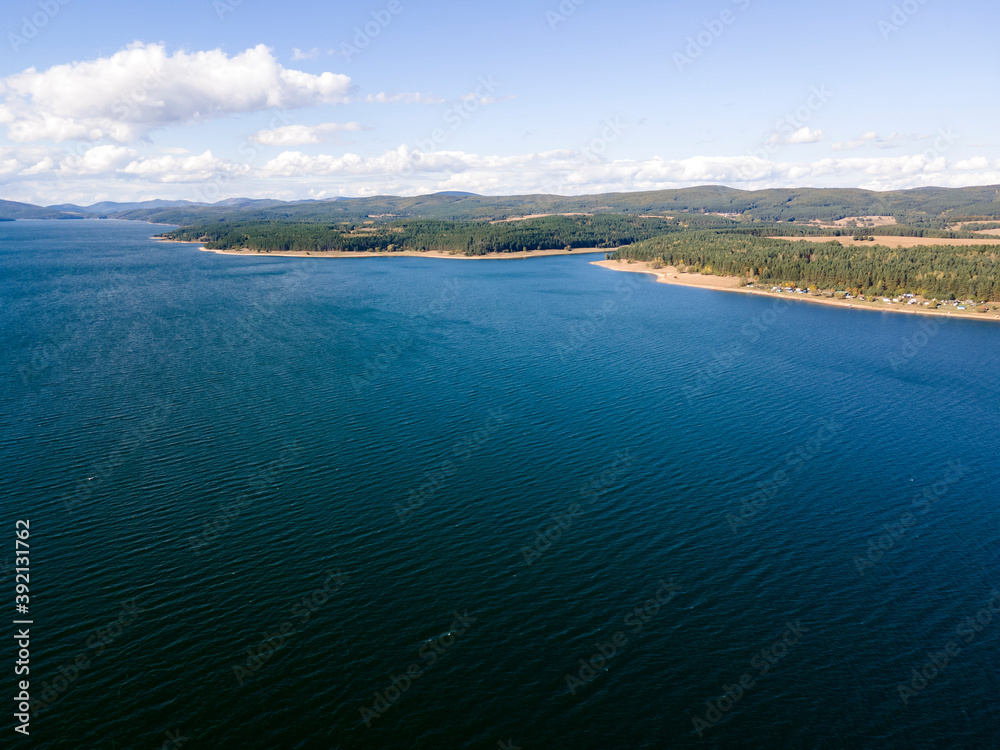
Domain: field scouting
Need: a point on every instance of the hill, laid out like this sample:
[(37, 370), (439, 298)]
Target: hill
[(922, 207), (927, 207), (15, 210)]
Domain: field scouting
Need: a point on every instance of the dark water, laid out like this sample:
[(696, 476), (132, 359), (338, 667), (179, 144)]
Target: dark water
[(351, 459)]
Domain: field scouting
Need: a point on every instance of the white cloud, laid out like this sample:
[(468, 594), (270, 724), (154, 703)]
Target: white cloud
[(302, 135), (141, 88), (570, 172), (22, 160), (119, 163), (978, 162), (802, 135), (98, 160), (486, 100), (890, 141), (200, 168), (413, 98), (312, 54), (404, 161), (805, 135), (45, 165), (857, 143), (49, 174)]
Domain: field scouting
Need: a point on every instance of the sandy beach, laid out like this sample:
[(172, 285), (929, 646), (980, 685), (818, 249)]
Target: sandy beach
[(670, 275)]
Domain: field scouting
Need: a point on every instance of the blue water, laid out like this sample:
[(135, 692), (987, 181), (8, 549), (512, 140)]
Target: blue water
[(201, 441)]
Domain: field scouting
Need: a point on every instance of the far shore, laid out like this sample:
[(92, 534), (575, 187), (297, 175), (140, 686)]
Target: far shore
[(395, 254), (670, 275)]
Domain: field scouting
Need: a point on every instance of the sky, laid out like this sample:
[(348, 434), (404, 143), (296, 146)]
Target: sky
[(206, 100)]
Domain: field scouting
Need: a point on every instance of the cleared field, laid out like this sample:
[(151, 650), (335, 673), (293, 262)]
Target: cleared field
[(862, 222), (535, 216), (891, 241)]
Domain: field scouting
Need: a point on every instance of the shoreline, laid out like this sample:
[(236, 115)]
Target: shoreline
[(670, 275), (396, 254)]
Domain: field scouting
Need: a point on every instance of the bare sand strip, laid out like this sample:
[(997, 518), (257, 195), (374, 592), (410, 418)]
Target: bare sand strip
[(890, 241), (670, 275), (412, 254)]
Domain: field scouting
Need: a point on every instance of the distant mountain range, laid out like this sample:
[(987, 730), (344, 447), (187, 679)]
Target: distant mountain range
[(918, 207), (15, 210)]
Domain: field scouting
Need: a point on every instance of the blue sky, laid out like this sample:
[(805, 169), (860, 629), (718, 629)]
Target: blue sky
[(210, 99)]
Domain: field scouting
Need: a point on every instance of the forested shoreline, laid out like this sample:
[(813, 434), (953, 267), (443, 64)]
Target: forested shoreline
[(932, 271), (464, 238), (762, 252)]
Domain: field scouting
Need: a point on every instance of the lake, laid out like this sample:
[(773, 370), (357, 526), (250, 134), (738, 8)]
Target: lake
[(419, 503)]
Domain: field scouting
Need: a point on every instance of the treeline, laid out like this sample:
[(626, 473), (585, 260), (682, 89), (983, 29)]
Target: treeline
[(466, 238), (980, 226), (937, 271)]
